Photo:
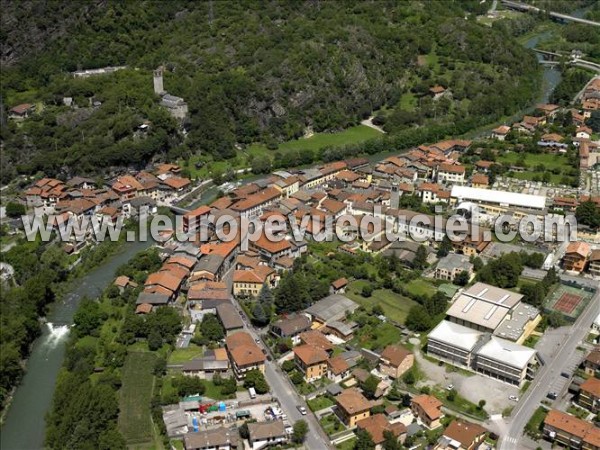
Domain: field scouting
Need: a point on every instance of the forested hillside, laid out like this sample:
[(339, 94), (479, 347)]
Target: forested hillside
[(250, 71)]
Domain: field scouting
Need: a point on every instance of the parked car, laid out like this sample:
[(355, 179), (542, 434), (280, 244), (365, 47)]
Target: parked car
[(302, 410), (552, 395), (513, 398), (449, 387), (565, 374)]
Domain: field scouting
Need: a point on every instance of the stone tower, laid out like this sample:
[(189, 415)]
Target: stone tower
[(158, 81)]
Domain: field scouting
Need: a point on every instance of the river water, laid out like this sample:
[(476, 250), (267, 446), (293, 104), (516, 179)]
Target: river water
[(24, 427)]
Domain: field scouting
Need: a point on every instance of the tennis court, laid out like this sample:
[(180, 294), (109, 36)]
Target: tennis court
[(568, 300)]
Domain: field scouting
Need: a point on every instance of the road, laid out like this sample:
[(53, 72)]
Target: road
[(580, 93), (282, 389), (513, 427)]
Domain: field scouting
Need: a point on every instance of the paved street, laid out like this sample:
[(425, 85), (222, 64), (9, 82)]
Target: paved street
[(511, 429), (282, 389)]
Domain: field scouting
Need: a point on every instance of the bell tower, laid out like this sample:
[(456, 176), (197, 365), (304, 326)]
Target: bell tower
[(158, 81)]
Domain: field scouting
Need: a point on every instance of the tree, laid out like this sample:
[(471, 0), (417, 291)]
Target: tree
[(265, 298), (418, 319), (155, 340), (481, 403), (409, 377), (477, 263), (367, 290), (243, 430), (406, 400), (390, 441), (299, 432), (462, 278), (255, 378), (587, 213), (160, 366), (15, 210), (88, 317), (211, 328), (364, 441), (369, 386), (555, 319), (296, 378), (420, 261), (258, 315), (445, 247), (451, 396), (288, 366), (229, 386)]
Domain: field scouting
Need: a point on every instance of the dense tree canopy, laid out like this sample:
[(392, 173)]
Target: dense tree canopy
[(249, 72)]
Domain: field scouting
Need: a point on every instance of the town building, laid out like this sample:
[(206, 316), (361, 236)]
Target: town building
[(244, 354), (266, 434), (591, 363), (461, 435), (377, 425), (570, 431), (576, 256), (220, 438), (451, 174), (250, 282), (291, 327), (451, 265), (428, 410), (352, 407), (395, 360), (589, 394), (312, 361), (594, 267)]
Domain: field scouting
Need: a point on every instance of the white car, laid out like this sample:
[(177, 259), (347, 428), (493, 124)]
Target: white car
[(302, 410), (513, 398), (450, 387)]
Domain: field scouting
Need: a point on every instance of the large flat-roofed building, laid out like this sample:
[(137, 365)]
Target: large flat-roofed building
[(490, 309), (498, 202), (482, 352), (453, 343), (482, 307), (505, 361)]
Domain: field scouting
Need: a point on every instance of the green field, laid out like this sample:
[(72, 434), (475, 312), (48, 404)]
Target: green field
[(421, 287), (352, 135), (549, 161), (181, 355), (395, 306), (135, 422)]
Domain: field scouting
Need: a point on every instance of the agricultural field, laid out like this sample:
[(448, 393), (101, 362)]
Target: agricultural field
[(395, 306), (352, 135), (135, 422)]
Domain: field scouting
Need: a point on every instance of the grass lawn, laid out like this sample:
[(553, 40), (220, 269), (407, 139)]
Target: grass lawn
[(331, 424), (135, 422), (534, 425), (395, 306), (346, 445), (181, 355), (408, 101), (319, 403), (214, 392), (421, 287), (352, 135), (377, 337), (549, 162)]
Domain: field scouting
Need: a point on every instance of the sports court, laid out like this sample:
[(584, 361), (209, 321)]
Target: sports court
[(568, 300)]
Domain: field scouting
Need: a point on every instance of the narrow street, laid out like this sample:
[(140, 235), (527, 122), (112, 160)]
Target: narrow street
[(282, 389)]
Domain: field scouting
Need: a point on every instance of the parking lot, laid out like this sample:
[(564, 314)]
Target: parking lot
[(473, 387)]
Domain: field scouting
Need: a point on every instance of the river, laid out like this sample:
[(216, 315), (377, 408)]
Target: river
[(24, 427)]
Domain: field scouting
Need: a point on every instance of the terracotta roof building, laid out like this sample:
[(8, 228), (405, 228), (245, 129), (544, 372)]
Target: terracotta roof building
[(461, 435), (395, 360), (352, 407), (312, 361), (376, 425), (567, 430), (428, 410), (244, 354)]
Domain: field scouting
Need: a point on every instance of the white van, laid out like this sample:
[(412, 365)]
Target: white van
[(252, 392)]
